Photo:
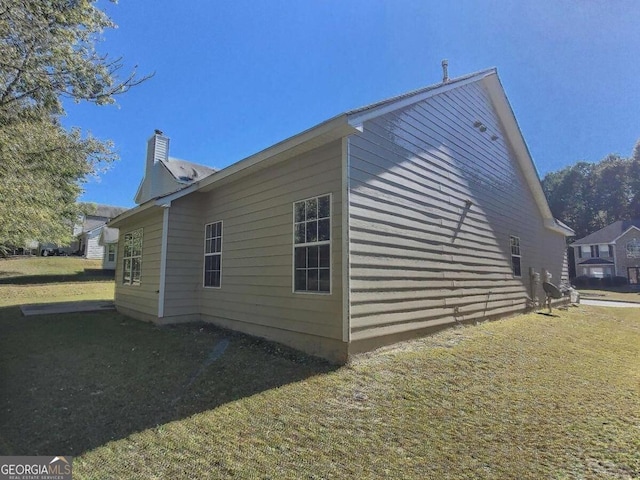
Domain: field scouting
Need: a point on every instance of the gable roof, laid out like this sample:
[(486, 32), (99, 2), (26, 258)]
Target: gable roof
[(106, 211), (610, 233), (98, 217), (350, 122)]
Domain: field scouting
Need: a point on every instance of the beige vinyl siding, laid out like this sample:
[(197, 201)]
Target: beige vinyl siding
[(185, 247), (257, 247), (419, 255), (158, 181), (141, 298)]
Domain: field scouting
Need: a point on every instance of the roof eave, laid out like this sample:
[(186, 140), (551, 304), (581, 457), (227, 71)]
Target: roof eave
[(325, 132), (115, 222), (521, 150)]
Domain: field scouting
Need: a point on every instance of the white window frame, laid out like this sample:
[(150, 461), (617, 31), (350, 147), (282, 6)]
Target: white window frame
[(128, 237), (515, 253), (112, 248), (305, 245), (212, 254)]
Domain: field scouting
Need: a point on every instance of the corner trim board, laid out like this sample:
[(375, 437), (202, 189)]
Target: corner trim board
[(163, 258), (346, 273)]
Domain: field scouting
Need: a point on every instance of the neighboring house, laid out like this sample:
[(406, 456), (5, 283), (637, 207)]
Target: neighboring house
[(89, 228), (380, 224), (611, 251), (109, 240)]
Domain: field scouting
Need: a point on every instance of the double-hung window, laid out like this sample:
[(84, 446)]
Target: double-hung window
[(132, 258), (111, 252), (515, 256), (213, 255), (312, 245)]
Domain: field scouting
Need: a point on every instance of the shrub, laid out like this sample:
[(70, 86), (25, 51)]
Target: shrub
[(619, 281), (607, 282), (581, 281), (595, 282)]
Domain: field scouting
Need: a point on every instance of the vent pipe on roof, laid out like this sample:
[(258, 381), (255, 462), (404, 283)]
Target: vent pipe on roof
[(445, 71)]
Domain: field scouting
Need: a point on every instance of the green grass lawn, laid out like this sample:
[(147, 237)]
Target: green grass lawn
[(52, 279), (534, 396)]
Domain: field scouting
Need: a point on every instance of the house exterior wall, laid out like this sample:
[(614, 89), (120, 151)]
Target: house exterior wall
[(185, 247), (256, 294), (421, 256), (141, 301), (157, 181), (625, 260)]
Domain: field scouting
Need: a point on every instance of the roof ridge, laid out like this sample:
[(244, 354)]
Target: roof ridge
[(421, 90)]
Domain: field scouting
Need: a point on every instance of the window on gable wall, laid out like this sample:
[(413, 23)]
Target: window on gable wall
[(515, 256), (213, 255), (132, 258), (312, 245)]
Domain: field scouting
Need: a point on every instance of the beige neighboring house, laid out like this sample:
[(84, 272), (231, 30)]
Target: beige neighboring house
[(612, 251), (380, 224)]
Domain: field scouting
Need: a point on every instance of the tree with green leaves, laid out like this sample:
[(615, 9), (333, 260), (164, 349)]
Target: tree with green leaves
[(48, 54), (589, 196)]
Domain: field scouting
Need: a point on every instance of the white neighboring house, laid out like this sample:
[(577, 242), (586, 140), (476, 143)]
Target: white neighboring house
[(88, 230), (109, 241)]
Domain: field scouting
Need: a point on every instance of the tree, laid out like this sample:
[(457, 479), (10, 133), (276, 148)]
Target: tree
[(48, 53), (589, 196)]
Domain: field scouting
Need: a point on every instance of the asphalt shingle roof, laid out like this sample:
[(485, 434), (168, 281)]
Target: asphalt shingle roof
[(608, 233)]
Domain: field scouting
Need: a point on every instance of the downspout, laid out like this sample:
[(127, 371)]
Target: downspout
[(163, 258)]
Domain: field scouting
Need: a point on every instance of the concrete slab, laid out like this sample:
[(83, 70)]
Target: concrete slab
[(67, 307)]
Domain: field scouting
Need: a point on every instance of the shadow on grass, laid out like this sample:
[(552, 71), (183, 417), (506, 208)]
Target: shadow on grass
[(70, 383), (89, 275)]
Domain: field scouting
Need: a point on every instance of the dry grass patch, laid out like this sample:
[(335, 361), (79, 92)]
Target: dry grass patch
[(622, 295)]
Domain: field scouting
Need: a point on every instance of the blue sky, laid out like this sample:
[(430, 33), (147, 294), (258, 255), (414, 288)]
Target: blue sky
[(232, 78)]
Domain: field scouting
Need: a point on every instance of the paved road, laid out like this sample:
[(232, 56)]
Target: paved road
[(605, 303)]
